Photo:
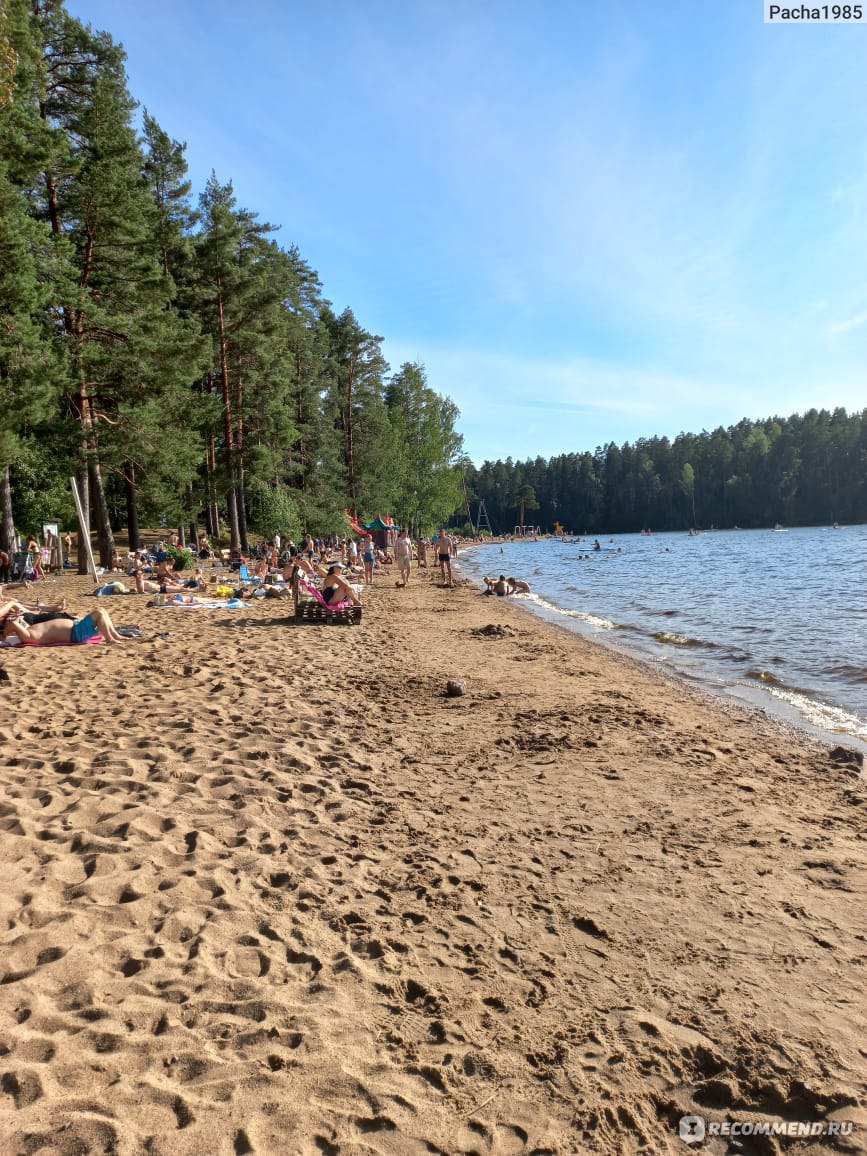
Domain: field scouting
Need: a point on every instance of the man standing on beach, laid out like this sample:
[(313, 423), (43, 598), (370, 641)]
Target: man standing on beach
[(403, 556), (444, 556)]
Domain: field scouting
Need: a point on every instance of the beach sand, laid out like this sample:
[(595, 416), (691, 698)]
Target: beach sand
[(266, 889)]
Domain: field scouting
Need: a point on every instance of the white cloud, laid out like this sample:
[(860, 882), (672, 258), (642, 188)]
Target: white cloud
[(850, 323)]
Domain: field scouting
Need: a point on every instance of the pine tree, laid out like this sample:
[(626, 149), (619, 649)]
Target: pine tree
[(125, 346), (427, 448), (183, 443), (30, 267), (313, 466), (238, 292), (355, 401)]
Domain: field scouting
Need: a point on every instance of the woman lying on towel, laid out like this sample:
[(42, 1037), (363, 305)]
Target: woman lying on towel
[(61, 630)]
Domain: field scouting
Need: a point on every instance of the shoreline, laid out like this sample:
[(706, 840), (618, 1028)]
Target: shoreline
[(269, 889), (753, 698)]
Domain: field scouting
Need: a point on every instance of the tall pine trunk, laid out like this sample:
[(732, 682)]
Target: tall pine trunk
[(83, 531), (105, 536), (104, 533), (350, 443), (241, 507), (7, 525), (131, 506), (213, 510), (232, 512), (240, 489), (231, 462), (194, 523)]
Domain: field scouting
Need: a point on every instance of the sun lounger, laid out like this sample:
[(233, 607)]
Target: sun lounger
[(310, 606)]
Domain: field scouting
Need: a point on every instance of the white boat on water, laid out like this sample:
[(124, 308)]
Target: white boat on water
[(778, 529)]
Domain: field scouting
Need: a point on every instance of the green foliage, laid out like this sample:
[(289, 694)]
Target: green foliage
[(426, 450), (40, 490), (180, 360), (30, 264), (806, 469), (273, 510), (182, 559)]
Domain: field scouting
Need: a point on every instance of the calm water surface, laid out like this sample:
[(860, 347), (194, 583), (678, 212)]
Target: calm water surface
[(775, 617)]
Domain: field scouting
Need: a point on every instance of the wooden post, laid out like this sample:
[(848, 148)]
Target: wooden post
[(83, 530)]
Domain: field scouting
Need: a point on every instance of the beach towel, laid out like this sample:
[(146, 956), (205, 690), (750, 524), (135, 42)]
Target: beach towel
[(177, 603), (15, 642)]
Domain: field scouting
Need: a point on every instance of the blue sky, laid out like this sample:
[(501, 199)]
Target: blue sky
[(591, 222)]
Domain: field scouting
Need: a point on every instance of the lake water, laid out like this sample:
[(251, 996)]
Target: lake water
[(778, 618)]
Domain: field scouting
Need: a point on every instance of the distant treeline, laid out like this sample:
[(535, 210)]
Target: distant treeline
[(807, 469), (169, 353)]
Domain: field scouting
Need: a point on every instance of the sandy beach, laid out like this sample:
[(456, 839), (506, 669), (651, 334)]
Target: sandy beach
[(267, 889)]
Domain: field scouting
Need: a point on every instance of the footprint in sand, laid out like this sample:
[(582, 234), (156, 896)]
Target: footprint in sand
[(23, 1086), (247, 963)]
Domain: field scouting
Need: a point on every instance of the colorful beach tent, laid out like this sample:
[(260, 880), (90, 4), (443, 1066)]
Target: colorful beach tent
[(380, 523), (382, 530)]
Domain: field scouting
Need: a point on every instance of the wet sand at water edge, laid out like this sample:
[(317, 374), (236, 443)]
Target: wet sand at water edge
[(266, 889)]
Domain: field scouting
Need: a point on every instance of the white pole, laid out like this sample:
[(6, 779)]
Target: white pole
[(83, 529)]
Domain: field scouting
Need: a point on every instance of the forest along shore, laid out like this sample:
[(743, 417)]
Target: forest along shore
[(268, 889)]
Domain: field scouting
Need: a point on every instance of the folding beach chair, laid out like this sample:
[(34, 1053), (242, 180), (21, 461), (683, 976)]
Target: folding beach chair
[(245, 576)]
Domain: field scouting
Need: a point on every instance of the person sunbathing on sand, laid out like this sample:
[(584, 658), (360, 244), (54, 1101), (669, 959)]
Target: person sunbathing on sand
[(146, 586), (17, 584), (64, 630), (10, 606), (35, 617)]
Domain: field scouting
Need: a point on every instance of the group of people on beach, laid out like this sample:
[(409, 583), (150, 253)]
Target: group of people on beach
[(337, 569), (504, 586)]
